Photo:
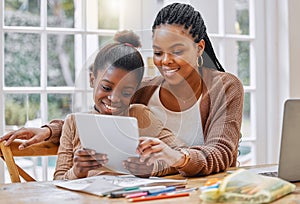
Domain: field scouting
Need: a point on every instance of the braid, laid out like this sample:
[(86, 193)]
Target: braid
[(187, 16), (210, 52)]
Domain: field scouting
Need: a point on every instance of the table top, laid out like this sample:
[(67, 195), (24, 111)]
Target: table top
[(47, 192)]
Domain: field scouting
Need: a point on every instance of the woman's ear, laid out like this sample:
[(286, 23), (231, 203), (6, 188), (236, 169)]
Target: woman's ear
[(201, 47)]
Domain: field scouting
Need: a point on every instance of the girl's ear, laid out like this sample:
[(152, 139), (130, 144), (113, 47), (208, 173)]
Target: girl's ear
[(201, 46), (92, 79)]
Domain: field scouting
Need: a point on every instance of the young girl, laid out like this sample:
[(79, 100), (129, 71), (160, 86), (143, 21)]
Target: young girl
[(118, 71)]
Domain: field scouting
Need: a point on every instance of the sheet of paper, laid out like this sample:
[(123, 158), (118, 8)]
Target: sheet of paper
[(90, 185), (131, 180), (116, 136), (104, 184)]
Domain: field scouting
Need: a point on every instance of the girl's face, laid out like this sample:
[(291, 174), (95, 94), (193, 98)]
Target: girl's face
[(175, 52), (113, 89)]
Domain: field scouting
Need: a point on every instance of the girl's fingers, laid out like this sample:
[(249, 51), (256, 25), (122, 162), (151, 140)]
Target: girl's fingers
[(138, 168)]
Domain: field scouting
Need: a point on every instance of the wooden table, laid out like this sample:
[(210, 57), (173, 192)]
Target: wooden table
[(48, 193)]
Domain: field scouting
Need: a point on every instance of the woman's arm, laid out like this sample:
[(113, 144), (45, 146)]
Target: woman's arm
[(55, 127), (221, 133), (153, 128)]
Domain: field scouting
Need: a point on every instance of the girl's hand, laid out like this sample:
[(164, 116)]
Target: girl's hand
[(154, 149), (138, 168), (85, 160)]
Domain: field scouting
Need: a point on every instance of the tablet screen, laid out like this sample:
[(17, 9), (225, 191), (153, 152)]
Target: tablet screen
[(116, 136)]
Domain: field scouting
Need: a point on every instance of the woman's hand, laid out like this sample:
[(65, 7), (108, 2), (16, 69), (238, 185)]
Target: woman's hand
[(152, 149), (31, 135), (138, 168), (85, 160)]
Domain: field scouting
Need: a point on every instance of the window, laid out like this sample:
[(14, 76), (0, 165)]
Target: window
[(46, 48)]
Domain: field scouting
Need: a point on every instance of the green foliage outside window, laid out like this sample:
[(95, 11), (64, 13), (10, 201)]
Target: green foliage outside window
[(20, 107), (22, 62), (244, 57)]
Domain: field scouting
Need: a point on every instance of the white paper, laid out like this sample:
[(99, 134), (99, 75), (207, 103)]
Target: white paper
[(104, 184), (90, 185)]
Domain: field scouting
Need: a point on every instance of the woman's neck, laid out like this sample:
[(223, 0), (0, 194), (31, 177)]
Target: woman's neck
[(183, 95), (188, 88)]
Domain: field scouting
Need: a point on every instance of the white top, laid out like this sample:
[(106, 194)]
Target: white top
[(185, 125)]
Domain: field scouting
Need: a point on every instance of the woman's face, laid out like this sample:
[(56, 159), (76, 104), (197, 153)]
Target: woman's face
[(113, 89), (175, 53)]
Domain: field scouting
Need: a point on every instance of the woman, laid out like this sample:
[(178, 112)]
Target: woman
[(194, 98)]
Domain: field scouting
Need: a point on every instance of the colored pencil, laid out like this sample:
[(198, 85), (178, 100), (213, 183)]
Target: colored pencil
[(163, 196)]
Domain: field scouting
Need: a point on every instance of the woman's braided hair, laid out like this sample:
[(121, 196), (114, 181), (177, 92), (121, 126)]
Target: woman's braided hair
[(186, 15)]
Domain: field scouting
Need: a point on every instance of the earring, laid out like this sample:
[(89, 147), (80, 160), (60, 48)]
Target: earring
[(201, 61), (109, 97)]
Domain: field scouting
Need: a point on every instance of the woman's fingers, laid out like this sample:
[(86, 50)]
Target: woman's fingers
[(146, 144), (32, 135), (22, 133), (29, 142)]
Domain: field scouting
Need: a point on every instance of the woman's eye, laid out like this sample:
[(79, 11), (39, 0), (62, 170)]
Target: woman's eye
[(127, 94), (106, 88), (178, 52)]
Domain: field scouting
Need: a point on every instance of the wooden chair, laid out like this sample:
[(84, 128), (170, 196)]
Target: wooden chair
[(8, 153)]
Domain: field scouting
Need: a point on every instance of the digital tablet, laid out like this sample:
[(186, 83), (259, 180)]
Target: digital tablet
[(116, 136)]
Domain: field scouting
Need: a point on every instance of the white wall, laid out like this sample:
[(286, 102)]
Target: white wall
[(294, 47), (282, 43)]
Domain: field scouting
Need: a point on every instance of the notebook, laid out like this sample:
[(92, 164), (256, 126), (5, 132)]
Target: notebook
[(289, 162), (116, 136)]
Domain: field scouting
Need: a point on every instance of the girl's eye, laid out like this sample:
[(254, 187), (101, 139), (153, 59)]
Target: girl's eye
[(157, 53), (106, 88)]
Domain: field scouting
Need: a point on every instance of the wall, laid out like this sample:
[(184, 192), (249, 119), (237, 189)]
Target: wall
[(294, 47)]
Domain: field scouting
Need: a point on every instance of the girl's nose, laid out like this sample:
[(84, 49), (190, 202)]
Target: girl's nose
[(114, 97), (167, 58)]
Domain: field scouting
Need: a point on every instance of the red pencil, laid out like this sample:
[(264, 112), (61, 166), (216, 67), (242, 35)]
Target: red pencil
[(162, 196)]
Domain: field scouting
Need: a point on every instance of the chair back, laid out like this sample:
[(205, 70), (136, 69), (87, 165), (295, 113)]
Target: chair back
[(7, 153)]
